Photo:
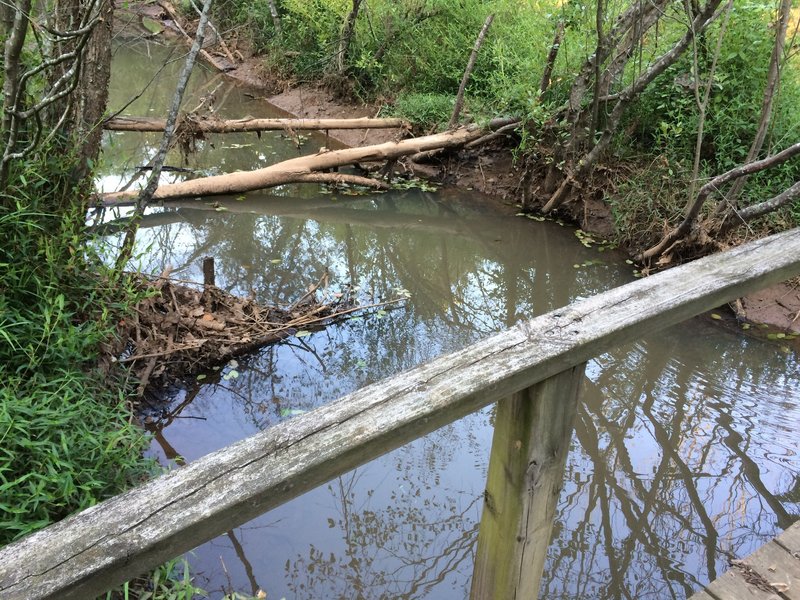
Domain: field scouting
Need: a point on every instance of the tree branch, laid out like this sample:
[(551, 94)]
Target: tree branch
[(468, 71), (712, 186)]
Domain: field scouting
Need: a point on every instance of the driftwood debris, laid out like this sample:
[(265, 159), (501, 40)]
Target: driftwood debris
[(310, 168), (179, 330), (210, 125), (217, 62)]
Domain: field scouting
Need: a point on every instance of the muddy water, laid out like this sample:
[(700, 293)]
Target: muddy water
[(684, 454)]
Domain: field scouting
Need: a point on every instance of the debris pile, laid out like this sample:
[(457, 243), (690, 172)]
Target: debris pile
[(180, 330)]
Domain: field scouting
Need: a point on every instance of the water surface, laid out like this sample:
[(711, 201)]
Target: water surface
[(684, 454)]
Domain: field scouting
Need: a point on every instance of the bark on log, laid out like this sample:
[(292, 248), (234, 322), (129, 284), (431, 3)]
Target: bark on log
[(298, 169), (250, 124)]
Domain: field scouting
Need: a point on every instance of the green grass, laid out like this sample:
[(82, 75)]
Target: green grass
[(67, 437)]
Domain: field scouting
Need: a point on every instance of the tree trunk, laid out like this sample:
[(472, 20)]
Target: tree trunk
[(347, 35), (773, 80), (251, 124), (15, 22), (468, 71), (309, 168), (588, 160), (276, 18), (550, 63), (79, 114)]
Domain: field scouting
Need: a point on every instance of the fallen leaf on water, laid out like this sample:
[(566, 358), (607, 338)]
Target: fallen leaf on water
[(292, 412)]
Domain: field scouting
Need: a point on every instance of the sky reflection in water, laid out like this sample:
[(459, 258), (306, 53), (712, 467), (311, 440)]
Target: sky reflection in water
[(684, 454)]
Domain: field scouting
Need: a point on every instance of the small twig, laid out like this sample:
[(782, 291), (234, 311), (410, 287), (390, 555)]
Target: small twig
[(311, 291), (173, 350)]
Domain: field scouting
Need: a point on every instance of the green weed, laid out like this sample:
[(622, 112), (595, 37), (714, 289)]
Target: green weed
[(66, 437)]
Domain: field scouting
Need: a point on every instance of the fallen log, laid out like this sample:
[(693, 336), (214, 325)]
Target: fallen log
[(251, 124), (307, 168)]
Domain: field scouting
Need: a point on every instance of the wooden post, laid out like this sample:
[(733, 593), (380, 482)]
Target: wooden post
[(532, 433), (208, 271), (92, 551)]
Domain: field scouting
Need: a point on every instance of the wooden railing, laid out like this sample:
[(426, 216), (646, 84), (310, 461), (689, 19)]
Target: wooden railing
[(534, 369)]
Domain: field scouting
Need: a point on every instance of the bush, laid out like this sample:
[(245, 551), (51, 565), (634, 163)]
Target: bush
[(67, 442), (426, 111)]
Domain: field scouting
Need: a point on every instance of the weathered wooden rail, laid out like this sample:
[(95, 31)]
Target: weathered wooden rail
[(533, 369)]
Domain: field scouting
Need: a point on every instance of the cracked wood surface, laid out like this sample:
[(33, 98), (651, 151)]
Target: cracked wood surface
[(532, 433), (770, 573), (107, 544)]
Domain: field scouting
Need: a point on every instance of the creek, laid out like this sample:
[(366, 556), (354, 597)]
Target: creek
[(685, 450)]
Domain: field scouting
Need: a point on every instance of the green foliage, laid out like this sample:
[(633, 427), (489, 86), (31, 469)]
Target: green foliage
[(66, 438), (665, 119), (426, 111), (62, 451), (171, 581)]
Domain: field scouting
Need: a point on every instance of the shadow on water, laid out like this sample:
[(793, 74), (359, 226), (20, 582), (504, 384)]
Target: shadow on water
[(684, 453)]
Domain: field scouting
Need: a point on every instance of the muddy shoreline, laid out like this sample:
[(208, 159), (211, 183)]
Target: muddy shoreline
[(490, 169)]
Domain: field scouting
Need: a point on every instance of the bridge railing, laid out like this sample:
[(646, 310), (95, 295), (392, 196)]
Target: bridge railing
[(534, 369)]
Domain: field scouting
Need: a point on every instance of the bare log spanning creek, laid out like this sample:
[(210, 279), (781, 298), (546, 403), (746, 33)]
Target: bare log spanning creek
[(680, 459)]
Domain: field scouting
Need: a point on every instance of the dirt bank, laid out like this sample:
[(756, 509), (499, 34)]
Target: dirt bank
[(489, 169)]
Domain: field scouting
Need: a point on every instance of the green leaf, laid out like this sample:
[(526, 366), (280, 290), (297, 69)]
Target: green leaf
[(302, 333), (292, 412)]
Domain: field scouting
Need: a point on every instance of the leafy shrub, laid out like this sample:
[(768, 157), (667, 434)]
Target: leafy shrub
[(67, 442), (424, 110)]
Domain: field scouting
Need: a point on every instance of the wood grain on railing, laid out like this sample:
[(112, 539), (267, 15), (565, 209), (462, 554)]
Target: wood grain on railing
[(105, 545)]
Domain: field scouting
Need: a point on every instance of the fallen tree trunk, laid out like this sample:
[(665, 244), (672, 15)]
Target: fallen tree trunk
[(308, 168), (250, 124)]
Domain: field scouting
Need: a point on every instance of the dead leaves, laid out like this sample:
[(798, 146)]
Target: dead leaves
[(181, 330)]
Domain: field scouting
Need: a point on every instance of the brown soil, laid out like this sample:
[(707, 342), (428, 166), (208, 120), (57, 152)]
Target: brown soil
[(489, 169), (777, 306)]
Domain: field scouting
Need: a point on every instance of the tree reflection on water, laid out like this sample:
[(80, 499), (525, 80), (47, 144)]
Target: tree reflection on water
[(683, 455)]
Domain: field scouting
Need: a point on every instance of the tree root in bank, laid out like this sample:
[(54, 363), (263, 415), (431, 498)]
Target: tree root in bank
[(180, 331)]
